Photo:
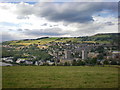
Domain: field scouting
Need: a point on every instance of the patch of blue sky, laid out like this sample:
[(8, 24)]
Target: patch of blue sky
[(31, 2), (24, 2), (9, 24), (18, 1)]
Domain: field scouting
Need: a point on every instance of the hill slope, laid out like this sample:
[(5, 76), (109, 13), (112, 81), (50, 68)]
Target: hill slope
[(98, 38)]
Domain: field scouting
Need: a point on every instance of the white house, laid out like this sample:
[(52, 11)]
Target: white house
[(19, 60), (116, 54), (7, 59), (28, 62), (36, 63), (50, 63)]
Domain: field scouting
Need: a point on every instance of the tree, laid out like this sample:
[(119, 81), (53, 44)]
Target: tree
[(113, 63), (65, 64), (80, 63), (100, 56), (45, 64), (100, 49), (74, 63), (106, 62), (94, 61)]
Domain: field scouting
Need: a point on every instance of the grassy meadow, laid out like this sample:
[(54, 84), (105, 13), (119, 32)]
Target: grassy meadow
[(98, 38), (59, 77)]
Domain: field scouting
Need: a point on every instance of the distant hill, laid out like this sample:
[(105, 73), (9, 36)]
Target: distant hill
[(102, 38), (98, 38)]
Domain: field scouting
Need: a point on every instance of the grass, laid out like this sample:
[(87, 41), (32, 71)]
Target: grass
[(41, 41), (59, 77), (58, 39)]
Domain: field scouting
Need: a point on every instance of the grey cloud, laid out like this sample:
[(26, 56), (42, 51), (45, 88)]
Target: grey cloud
[(7, 37), (25, 8), (26, 29), (86, 29), (19, 30), (22, 17), (89, 30), (10, 29), (45, 32), (56, 25), (50, 25), (109, 23), (69, 12), (45, 24)]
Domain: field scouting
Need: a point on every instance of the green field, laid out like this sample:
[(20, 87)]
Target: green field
[(97, 38), (59, 77)]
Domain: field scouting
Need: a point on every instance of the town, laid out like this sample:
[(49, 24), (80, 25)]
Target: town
[(67, 53)]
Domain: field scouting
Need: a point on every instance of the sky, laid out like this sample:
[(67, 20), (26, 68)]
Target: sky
[(30, 20)]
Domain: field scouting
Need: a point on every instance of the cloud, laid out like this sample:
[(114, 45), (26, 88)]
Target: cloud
[(7, 36), (45, 32), (24, 20), (109, 23), (45, 24), (19, 30), (67, 12), (34, 1)]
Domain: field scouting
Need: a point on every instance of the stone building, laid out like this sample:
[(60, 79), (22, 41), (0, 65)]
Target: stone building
[(67, 54)]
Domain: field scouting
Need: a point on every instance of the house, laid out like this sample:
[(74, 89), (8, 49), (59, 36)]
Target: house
[(39, 62), (7, 59), (49, 62), (64, 61), (36, 63), (108, 57), (20, 60), (67, 54), (93, 54), (28, 62), (116, 55), (4, 59)]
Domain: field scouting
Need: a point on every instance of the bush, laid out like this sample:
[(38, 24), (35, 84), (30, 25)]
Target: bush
[(80, 63), (74, 63), (66, 64), (113, 63), (45, 64), (106, 62)]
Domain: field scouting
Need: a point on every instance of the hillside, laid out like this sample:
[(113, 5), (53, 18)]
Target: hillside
[(98, 38), (57, 49)]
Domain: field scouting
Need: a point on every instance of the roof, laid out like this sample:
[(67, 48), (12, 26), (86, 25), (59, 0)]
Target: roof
[(115, 52)]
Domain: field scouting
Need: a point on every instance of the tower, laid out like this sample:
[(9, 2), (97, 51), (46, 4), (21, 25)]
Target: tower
[(84, 54), (67, 54)]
